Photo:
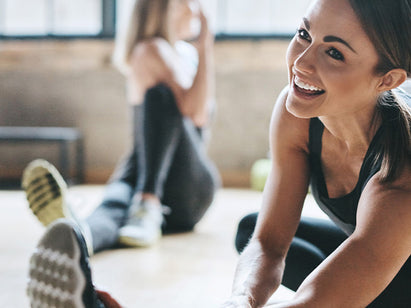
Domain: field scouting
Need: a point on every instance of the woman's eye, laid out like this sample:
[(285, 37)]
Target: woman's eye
[(335, 54), (303, 34)]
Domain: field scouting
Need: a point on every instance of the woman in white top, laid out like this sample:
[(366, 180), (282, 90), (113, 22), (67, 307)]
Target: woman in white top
[(170, 87)]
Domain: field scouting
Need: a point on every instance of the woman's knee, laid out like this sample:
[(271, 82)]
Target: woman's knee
[(187, 209), (206, 195), (160, 99), (302, 258), (245, 230), (322, 233)]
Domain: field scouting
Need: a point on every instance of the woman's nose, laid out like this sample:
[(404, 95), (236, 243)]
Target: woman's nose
[(305, 62)]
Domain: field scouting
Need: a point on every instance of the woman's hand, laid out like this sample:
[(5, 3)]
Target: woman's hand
[(205, 39), (237, 301)]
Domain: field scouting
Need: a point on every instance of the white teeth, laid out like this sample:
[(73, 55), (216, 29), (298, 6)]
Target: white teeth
[(305, 86)]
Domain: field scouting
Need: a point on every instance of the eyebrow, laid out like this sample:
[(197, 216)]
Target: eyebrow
[(306, 23), (329, 38)]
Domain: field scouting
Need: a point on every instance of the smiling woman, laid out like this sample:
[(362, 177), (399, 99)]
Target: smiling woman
[(343, 125)]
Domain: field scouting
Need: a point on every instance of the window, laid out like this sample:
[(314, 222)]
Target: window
[(243, 18), (99, 18), (56, 18), (268, 18)]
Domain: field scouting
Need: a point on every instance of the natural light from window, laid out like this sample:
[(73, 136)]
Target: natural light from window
[(84, 17)]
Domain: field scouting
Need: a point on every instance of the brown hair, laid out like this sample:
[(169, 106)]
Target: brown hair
[(148, 19), (388, 25)]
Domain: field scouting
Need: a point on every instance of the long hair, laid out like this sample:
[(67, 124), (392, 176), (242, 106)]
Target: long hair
[(388, 25), (147, 19)]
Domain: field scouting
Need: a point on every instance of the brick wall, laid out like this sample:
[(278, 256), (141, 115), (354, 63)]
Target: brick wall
[(72, 83)]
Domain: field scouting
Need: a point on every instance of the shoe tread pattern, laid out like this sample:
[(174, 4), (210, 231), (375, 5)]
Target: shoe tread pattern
[(44, 189), (56, 279)]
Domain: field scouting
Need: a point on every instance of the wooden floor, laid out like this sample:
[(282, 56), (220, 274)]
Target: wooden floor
[(185, 270)]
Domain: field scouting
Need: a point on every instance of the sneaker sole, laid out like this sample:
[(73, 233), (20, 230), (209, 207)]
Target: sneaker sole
[(45, 191), (56, 277), (135, 242)]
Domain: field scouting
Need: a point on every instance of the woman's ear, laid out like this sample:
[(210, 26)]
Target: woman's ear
[(392, 79)]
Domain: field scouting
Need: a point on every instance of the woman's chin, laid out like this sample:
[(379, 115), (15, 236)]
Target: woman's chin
[(298, 109)]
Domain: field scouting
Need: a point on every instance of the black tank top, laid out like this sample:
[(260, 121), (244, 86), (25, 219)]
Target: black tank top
[(343, 210)]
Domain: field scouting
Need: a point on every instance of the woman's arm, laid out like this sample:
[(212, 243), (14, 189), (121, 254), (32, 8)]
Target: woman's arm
[(363, 266), (261, 265), (200, 99), (157, 62)]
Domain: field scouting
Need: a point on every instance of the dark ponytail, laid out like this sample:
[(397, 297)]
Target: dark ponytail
[(388, 25), (396, 146)]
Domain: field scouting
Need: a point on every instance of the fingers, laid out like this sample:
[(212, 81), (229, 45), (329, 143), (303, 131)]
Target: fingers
[(237, 302), (203, 20)]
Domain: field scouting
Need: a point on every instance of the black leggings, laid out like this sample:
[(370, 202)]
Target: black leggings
[(314, 241), (169, 160)]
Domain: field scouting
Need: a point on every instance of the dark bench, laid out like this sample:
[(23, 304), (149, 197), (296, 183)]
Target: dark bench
[(63, 136)]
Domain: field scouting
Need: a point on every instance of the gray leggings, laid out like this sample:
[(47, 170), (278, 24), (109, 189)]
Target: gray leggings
[(169, 160)]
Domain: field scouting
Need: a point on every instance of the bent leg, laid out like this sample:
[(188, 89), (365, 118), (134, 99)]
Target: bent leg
[(158, 126), (322, 233), (302, 258), (245, 231), (313, 242), (172, 161), (191, 183)]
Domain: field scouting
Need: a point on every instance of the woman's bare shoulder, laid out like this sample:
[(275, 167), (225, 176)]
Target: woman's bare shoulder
[(401, 184), (382, 196), (286, 129)]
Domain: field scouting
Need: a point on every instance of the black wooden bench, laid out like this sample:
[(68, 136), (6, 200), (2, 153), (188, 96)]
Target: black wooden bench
[(63, 136)]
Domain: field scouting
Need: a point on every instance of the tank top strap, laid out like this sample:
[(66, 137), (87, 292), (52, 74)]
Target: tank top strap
[(316, 130)]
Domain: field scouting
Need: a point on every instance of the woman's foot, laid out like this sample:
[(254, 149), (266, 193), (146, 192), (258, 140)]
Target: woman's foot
[(143, 226), (46, 193), (60, 274)]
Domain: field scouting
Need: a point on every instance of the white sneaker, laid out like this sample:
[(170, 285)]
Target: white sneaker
[(143, 226), (46, 193)]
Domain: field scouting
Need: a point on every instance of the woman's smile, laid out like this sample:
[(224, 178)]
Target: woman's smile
[(306, 90), (327, 67)]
